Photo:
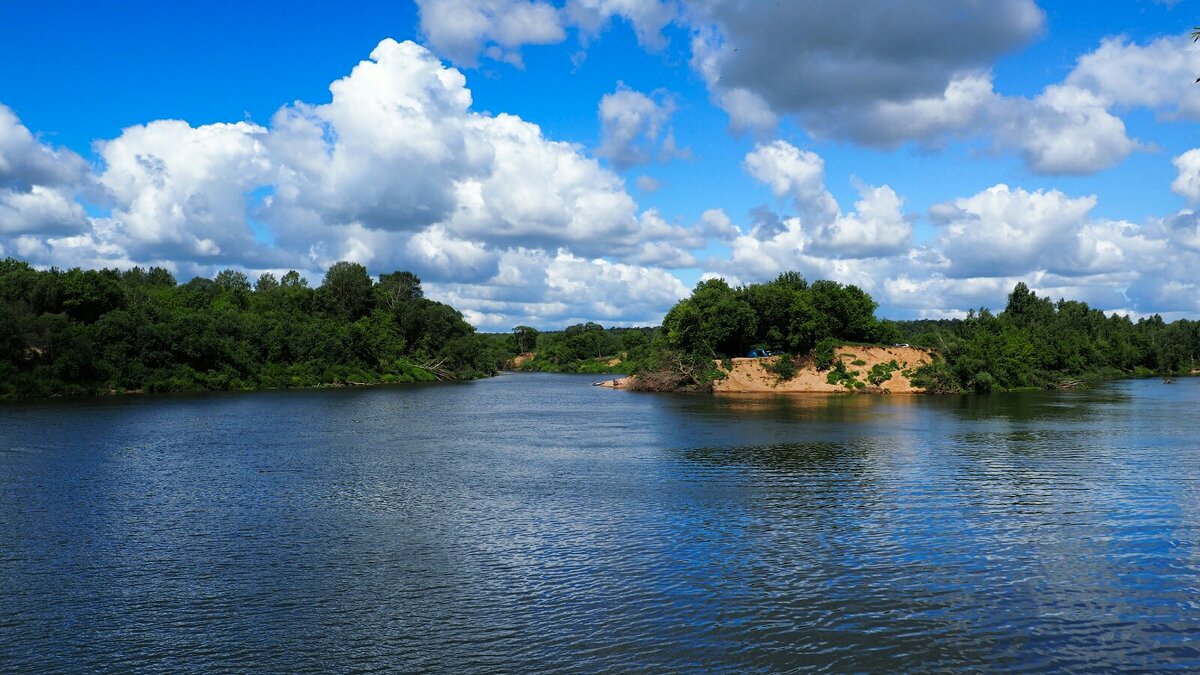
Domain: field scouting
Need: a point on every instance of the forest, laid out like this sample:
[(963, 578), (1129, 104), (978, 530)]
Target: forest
[(1039, 343), (83, 332), (1033, 343)]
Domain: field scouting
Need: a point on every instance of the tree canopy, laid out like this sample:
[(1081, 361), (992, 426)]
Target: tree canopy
[(88, 331), (785, 314)]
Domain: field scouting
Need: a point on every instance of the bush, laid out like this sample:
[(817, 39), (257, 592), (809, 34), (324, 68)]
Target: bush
[(783, 366), (935, 378), (882, 372), (824, 353)]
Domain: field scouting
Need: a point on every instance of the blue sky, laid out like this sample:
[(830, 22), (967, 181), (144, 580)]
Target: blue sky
[(615, 151)]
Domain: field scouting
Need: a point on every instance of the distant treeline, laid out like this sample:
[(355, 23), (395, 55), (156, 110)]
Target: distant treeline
[(78, 332), (1035, 342), (581, 348)]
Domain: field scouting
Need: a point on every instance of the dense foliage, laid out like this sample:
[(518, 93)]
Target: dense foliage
[(583, 348), (785, 314), (1038, 343), (88, 331)]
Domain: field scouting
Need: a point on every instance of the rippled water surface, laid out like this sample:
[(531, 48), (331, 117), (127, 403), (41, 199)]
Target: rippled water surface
[(531, 522)]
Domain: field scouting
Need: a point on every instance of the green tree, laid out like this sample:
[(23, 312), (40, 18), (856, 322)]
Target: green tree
[(523, 339), (714, 321), (348, 290), (397, 288)]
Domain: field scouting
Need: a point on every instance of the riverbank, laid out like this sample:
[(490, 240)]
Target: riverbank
[(877, 369)]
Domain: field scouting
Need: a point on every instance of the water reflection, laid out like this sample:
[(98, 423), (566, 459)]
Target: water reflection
[(536, 523)]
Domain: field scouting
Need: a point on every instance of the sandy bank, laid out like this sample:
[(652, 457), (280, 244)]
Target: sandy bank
[(519, 360), (617, 383), (751, 375)]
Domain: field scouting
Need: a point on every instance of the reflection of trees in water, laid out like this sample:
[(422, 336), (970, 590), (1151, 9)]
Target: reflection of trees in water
[(851, 456), (797, 407), (1035, 406)]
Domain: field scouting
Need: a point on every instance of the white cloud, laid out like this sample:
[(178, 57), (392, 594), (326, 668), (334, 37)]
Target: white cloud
[(540, 288), (25, 162), (1157, 75), (40, 210), (38, 183), (541, 193), (180, 191), (792, 172), (461, 30), (631, 124), (963, 108), (1004, 232), (647, 17), (398, 172), (877, 228), (1067, 130), (1187, 183), (388, 149), (395, 172)]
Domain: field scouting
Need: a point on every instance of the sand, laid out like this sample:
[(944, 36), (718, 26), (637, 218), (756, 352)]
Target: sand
[(520, 360), (750, 375), (617, 383)]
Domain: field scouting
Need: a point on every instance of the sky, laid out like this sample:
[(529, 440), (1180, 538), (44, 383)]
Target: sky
[(547, 162)]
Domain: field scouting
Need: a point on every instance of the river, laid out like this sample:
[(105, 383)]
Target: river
[(535, 523)]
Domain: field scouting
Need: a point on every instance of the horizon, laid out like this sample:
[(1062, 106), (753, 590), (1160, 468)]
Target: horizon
[(546, 164)]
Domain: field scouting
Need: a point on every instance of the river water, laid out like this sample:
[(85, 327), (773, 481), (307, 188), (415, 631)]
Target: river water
[(534, 523)]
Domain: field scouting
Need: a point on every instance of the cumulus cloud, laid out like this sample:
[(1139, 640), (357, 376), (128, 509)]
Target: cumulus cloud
[(465, 30), (1187, 183), (1067, 130), (398, 172), (541, 288), (40, 210), (877, 227), (926, 79), (792, 172), (26, 162), (963, 107), (1005, 232), (1152, 75), (647, 17), (180, 191), (395, 171), (631, 124), (810, 56), (386, 151), (38, 183), (461, 30)]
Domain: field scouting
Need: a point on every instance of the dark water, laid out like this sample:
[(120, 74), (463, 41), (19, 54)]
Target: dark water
[(533, 523)]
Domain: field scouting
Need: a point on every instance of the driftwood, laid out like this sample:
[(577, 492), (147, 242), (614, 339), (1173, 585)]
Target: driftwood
[(438, 369)]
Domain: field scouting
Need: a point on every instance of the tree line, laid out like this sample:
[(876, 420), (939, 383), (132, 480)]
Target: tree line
[(79, 332), (1036, 342), (1033, 343)]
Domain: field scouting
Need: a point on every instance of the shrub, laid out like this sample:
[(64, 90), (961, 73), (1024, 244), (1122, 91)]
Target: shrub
[(784, 367), (825, 353)]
